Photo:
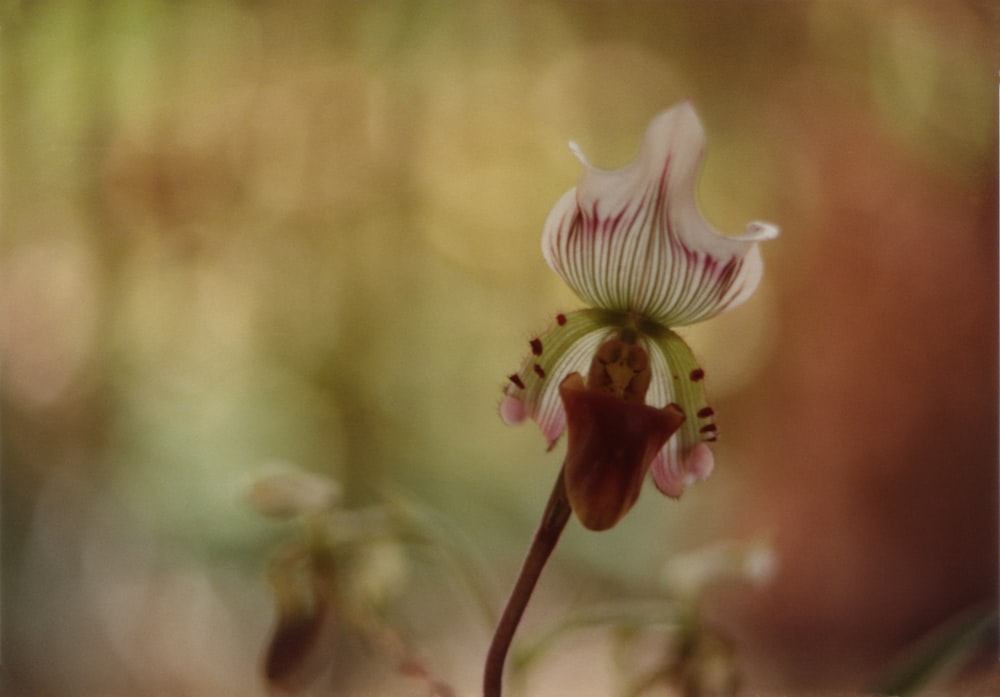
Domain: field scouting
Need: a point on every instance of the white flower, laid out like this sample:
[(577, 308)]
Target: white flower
[(633, 245)]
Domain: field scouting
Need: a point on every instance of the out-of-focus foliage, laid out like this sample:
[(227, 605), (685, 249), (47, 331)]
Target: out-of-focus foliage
[(236, 233)]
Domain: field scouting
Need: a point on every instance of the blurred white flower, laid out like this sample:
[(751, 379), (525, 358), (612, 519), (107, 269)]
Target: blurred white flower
[(688, 575), (290, 492), (633, 245)]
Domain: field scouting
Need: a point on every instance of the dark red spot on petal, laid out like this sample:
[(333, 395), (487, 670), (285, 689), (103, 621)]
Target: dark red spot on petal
[(560, 319), (706, 412), (697, 374), (539, 371), (536, 347), (710, 428), (516, 379)]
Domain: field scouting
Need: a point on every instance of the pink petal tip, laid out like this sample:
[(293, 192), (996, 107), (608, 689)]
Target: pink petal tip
[(512, 410)]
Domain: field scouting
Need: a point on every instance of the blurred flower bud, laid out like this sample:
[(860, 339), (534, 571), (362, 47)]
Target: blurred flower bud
[(292, 492)]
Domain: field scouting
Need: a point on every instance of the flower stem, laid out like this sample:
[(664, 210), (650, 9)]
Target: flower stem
[(554, 519)]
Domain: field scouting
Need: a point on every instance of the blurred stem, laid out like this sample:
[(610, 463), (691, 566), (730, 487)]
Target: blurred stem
[(940, 654), (554, 519), (452, 548)]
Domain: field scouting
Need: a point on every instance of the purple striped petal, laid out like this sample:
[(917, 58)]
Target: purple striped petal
[(634, 240), (677, 378), (567, 347)]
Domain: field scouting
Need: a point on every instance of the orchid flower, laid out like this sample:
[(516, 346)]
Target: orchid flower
[(633, 245)]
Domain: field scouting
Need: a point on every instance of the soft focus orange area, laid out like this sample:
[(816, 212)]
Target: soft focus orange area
[(240, 233)]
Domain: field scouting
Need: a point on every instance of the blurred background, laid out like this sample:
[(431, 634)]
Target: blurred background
[(238, 235)]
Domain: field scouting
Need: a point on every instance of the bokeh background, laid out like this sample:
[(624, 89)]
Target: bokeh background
[(241, 233)]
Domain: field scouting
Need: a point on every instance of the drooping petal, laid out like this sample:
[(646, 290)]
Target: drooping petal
[(567, 347), (633, 239), (677, 377)]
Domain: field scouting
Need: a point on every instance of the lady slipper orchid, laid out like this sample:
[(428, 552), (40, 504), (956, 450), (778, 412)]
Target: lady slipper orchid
[(633, 245)]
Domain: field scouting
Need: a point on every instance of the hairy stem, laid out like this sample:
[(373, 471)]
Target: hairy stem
[(554, 519)]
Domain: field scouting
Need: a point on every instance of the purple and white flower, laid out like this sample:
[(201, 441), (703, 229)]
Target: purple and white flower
[(633, 245)]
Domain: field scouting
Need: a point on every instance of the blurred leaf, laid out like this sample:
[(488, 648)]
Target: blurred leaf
[(941, 653)]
